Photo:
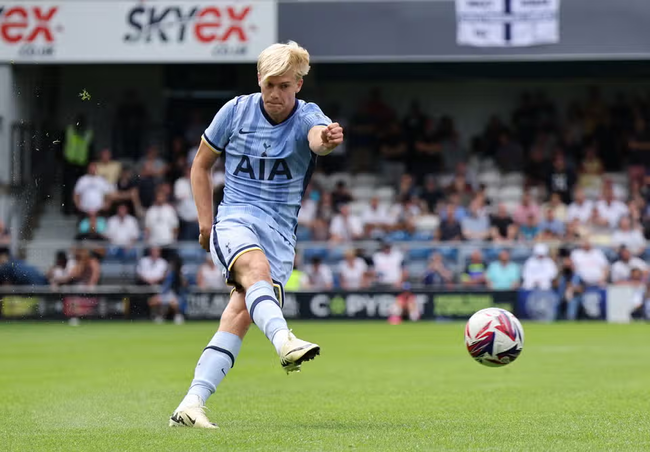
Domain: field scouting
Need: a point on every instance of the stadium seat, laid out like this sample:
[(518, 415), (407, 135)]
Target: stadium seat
[(363, 193), (511, 193), (385, 194), (357, 207), (513, 179), (419, 253), (427, 223), (364, 180), (490, 178), (422, 236)]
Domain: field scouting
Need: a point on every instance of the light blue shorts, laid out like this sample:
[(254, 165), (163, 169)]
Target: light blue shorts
[(234, 236)]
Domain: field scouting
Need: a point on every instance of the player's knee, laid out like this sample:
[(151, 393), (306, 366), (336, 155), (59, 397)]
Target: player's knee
[(256, 270)]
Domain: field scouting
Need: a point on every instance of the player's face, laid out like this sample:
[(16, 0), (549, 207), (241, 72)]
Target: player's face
[(279, 93)]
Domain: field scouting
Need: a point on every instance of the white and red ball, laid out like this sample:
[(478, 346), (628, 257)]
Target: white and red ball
[(494, 337)]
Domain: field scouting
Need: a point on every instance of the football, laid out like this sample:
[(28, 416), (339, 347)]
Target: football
[(494, 337)]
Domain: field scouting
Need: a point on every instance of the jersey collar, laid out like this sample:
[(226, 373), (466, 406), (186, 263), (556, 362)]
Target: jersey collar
[(270, 120)]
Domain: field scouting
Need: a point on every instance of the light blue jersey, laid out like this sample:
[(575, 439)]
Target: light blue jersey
[(268, 167)]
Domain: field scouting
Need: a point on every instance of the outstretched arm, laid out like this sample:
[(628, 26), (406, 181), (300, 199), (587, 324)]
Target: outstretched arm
[(202, 190), (323, 139)]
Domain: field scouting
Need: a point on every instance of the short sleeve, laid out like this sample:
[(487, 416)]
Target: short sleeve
[(217, 135), (311, 116)]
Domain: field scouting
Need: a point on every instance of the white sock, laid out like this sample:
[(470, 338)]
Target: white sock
[(265, 311)]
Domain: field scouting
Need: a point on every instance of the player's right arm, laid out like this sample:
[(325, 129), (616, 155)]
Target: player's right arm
[(202, 189)]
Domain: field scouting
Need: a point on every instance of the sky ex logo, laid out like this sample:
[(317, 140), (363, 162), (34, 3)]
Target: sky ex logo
[(20, 24), (176, 24)]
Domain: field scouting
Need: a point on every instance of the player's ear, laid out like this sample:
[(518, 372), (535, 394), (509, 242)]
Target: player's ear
[(299, 85), (259, 80)]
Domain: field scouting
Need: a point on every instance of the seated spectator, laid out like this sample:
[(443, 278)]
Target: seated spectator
[(403, 215), (461, 189), (172, 295), (631, 238), (590, 265), (319, 275), (86, 270), (392, 149), (388, 266), (19, 273), (509, 153), (407, 187), (539, 270), (151, 269), (503, 229), (153, 165), (559, 208), (92, 228), (449, 229), (527, 208), (610, 208), (561, 179), (185, 208), (622, 268), (460, 212), (591, 170), (108, 168), (581, 208), (536, 168), (529, 231), (474, 275), (59, 273), (574, 231), (127, 192), (503, 274), (92, 192), (550, 228), (353, 272), (324, 214), (437, 274), (376, 219), (122, 230), (475, 226), (341, 195), (345, 226), (161, 222), (405, 307), (209, 276), (147, 183), (5, 237)]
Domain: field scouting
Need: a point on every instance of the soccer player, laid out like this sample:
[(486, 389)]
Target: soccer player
[(271, 141)]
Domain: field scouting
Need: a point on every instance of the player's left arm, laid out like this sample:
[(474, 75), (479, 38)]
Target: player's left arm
[(323, 139)]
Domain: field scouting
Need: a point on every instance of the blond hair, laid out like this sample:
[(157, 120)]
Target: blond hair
[(278, 59)]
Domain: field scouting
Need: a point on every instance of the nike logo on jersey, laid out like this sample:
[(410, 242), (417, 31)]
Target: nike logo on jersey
[(245, 132)]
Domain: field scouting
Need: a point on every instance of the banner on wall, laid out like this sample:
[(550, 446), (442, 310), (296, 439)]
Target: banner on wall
[(507, 23), (135, 31), (543, 305)]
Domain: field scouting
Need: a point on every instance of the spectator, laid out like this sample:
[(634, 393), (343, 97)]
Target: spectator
[(449, 229), (324, 215), (503, 274), (527, 208), (632, 239), (474, 275), (437, 274), (161, 222), (376, 220), (108, 168), (559, 208), (319, 275), (404, 214), (639, 150), (177, 169), (536, 168), (86, 270), (461, 189), (574, 231), (550, 228), (591, 169), (127, 192), (569, 287), (341, 195), (609, 208), (510, 154), (392, 149), (77, 146), (151, 269), (92, 192), (122, 231), (92, 228), (5, 237), (153, 165), (539, 270), (530, 230), (185, 208), (345, 226), (460, 212), (590, 265), (426, 154), (147, 183), (60, 271), (431, 194), (561, 179), (308, 208), (476, 226), (353, 272), (580, 209), (388, 265), (622, 268), (406, 306), (407, 187), (210, 276), (503, 229), (17, 272), (172, 296)]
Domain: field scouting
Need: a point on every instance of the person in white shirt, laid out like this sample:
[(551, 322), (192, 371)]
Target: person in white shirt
[(151, 269), (580, 208), (122, 229), (185, 208), (590, 264), (610, 208), (388, 265), (209, 276), (632, 239), (376, 219), (345, 226), (91, 192), (161, 222), (622, 268), (353, 271), (539, 270), (319, 275)]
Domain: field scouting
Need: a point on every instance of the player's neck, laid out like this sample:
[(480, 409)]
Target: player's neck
[(278, 117)]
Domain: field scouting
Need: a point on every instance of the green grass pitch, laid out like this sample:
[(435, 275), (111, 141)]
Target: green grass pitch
[(112, 387)]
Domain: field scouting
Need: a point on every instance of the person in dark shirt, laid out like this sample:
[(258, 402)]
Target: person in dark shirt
[(426, 152), (450, 227), (437, 274), (503, 229), (431, 193), (561, 179), (340, 195)]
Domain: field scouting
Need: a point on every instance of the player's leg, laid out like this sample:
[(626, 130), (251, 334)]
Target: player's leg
[(214, 364)]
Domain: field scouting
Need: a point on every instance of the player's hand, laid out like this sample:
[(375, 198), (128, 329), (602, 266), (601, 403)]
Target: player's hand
[(204, 241), (332, 135)]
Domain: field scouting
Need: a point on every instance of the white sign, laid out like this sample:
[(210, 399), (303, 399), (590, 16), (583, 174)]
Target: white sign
[(136, 31), (507, 23)]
